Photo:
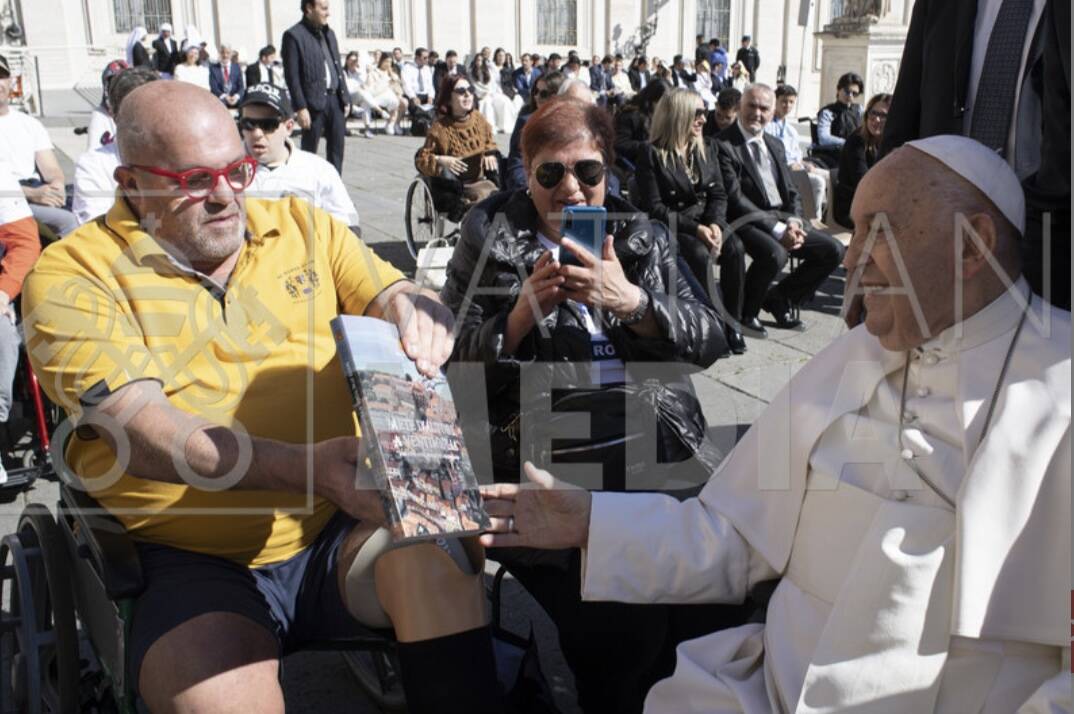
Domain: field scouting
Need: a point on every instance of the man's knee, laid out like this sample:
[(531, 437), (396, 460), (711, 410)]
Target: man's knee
[(219, 661), (828, 249)]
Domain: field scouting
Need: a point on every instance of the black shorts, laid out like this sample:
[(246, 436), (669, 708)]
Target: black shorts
[(297, 600)]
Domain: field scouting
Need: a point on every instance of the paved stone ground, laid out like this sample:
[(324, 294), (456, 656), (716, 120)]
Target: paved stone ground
[(377, 172)]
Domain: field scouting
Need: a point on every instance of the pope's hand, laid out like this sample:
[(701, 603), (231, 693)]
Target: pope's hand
[(543, 513)]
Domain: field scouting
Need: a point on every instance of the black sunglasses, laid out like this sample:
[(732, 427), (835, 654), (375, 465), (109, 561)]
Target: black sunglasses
[(588, 171), (463, 91), (852, 93), (266, 125), (700, 114)]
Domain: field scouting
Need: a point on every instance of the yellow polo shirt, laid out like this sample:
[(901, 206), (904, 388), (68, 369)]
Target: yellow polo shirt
[(107, 305)]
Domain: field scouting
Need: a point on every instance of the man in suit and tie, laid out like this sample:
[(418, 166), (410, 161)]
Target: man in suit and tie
[(640, 76), (766, 214), (225, 79), (525, 77), (264, 70), (166, 51), (680, 75), (1008, 86), (600, 80)]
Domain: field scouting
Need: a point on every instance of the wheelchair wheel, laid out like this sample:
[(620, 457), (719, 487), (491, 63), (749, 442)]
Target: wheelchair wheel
[(377, 673), (38, 635), (423, 223)]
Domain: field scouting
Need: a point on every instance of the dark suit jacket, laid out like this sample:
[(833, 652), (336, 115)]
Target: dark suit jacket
[(253, 74), (683, 78), (216, 80), (664, 190), (524, 86), (631, 133), (750, 58), (635, 78), (745, 188), (303, 68), (165, 58), (440, 71), (141, 56)]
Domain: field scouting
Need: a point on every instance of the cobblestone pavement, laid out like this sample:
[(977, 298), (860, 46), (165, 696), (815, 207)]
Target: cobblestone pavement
[(732, 392)]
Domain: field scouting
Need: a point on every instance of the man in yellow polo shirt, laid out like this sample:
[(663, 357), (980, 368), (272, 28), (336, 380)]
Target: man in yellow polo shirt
[(186, 332)]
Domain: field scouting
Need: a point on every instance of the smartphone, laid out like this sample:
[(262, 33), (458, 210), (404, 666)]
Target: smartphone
[(585, 225)]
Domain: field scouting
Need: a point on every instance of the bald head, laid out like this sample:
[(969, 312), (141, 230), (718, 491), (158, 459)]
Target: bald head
[(925, 238), (151, 132)]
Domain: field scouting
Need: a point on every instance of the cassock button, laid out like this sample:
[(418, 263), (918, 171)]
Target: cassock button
[(900, 495), (923, 392), (906, 455)]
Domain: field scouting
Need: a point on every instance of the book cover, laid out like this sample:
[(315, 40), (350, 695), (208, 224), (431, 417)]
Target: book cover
[(412, 435)]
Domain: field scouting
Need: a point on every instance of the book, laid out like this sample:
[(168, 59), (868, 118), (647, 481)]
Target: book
[(413, 441)]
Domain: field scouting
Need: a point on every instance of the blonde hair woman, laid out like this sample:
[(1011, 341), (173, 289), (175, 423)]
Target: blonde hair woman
[(680, 183)]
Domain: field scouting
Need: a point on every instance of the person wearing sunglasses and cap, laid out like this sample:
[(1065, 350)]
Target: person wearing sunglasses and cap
[(187, 334), (266, 121), (838, 120), (522, 309), (460, 155)]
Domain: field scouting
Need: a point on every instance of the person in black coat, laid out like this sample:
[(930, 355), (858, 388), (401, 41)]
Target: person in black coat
[(165, 51), (749, 57), (512, 247), (941, 34), (640, 76), (860, 152), (761, 195), (264, 70), (632, 121), (321, 103), (680, 184)]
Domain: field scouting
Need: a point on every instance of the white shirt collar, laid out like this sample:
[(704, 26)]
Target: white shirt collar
[(994, 320), (750, 138)]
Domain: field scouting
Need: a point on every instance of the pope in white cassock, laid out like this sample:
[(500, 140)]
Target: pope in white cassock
[(910, 485)]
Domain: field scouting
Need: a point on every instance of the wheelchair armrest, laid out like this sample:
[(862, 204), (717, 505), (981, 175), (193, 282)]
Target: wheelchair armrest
[(102, 540)]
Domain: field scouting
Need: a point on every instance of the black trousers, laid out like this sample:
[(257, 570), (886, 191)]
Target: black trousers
[(732, 263), (820, 254), (333, 126)]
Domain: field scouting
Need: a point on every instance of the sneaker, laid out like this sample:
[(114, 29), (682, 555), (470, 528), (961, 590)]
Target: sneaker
[(368, 133)]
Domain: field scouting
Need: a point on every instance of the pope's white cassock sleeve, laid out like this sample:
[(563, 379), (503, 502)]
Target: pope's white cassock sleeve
[(648, 547)]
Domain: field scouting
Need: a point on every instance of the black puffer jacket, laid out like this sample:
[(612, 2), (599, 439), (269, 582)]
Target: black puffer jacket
[(499, 241)]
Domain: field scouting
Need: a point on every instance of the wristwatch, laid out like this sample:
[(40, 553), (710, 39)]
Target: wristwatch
[(638, 313)]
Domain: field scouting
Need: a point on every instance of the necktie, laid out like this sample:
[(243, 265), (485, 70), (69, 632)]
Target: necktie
[(421, 81), (226, 75), (764, 167), (993, 106)]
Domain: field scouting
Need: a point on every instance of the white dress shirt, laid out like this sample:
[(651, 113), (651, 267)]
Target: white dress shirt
[(94, 187), (307, 176), (862, 617), (418, 81)]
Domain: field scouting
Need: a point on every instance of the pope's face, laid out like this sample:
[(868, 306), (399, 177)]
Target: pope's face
[(908, 272)]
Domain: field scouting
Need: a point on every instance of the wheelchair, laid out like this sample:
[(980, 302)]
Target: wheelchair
[(71, 582)]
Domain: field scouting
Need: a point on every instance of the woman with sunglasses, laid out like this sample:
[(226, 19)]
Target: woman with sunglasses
[(527, 298), (859, 154), (460, 155), (545, 87), (680, 184)]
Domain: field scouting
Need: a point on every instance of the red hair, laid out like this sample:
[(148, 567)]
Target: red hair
[(561, 121)]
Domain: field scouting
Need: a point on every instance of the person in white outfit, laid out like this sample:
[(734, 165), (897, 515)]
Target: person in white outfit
[(192, 70), (266, 121), (356, 74), (783, 128), (496, 107), (95, 184), (910, 485), (703, 85), (386, 90)]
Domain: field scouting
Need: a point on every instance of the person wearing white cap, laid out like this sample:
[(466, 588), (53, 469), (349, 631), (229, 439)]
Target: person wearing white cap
[(166, 51), (910, 485)]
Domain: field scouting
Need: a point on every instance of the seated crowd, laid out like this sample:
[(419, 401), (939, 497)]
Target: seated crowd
[(734, 582)]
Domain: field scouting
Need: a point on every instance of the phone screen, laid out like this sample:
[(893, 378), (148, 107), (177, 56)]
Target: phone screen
[(584, 225)]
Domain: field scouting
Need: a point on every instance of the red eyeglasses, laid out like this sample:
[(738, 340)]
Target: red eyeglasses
[(199, 182)]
